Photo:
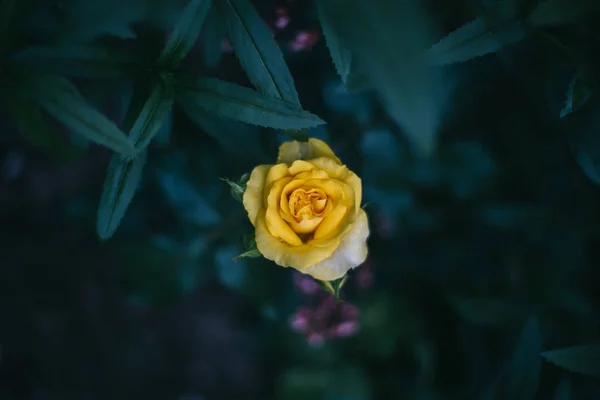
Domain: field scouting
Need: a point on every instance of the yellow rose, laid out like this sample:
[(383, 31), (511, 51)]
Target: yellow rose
[(306, 211)]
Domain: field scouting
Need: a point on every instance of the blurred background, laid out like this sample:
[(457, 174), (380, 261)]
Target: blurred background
[(482, 256)]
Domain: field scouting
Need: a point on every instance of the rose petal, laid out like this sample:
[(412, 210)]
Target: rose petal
[(314, 148), (276, 225), (342, 173), (285, 255), (299, 166), (253, 196), (276, 172), (351, 252)]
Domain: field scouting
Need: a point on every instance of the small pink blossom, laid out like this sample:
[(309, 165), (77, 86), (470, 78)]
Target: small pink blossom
[(316, 339), (282, 20), (301, 320), (346, 329), (306, 284), (304, 41)]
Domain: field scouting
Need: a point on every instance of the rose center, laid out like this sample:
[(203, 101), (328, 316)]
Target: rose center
[(307, 204)]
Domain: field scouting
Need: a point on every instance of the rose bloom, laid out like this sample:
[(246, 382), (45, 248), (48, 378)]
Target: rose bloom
[(306, 211)]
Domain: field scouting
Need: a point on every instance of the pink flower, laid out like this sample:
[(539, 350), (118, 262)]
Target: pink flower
[(316, 339), (306, 284), (301, 320), (346, 329), (304, 41), (282, 19)]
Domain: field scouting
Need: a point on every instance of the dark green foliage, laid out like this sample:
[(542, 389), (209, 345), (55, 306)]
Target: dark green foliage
[(225, 99), (582, 359), (256, 49), (185, 33), (340, 55), (152, 116), (80, 61), (61, 99), (525, 366), (482, 276), (122, 181)]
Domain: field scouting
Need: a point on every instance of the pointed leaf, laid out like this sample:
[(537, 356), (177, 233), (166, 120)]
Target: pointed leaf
[(497, 28), (185, 33), (237, 189), (30, 121), (357, 80), (121, 183), (583, 359), (579, 92), (82, 61), (153, 115), (250, 250), (390, 46), (257, 50), (213, 34), (563, 390), (243, 104), (61, 99), (253, 253), (341, 56), (524, 368)]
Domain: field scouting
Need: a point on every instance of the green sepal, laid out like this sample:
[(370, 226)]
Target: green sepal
[(250, 248), (237, 188), (333, 287)]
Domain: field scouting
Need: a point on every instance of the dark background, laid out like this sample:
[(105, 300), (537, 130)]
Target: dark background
[(481, 256)]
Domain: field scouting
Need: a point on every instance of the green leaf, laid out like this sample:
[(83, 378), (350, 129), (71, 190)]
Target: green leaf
[(579, 92), (186, 32), (390, 46), (257, 50), (121, 183), (61, 99), (30, 121), (498, 27), (242, 104), (582, 359), (253, 253), (333, 287), (563, 390), (82, 61), (237, 188), (357, 80), (213, 35), (561, 12), (153, 115), (250, 248), (524, 368), (340, 55)]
